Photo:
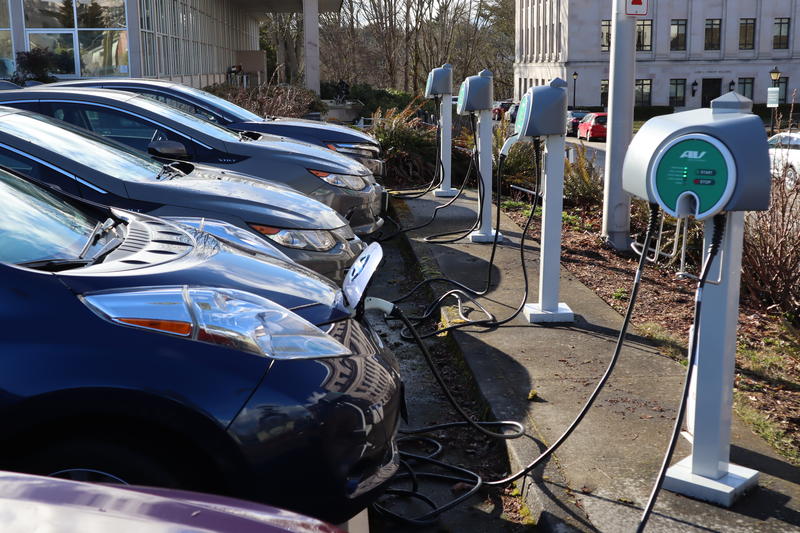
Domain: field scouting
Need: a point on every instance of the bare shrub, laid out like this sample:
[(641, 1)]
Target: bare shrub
[(269, 99), (583, 180), (771, 257)]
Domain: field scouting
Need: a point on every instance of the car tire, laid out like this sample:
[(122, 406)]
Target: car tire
[(97, 460), (791, 177)]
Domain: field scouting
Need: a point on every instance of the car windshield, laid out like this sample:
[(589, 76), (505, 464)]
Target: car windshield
[(578, 115), (600, 120), (80, 146), (786, 142), (237, 113), (190, 121), (37, 224)]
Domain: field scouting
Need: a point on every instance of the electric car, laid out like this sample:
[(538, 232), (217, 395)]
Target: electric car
[(35, 503), (350, 142), (135, 350), (593, 126), (150, 126), (233, 206), (784, 153)]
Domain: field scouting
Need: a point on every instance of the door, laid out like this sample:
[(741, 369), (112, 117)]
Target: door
[(712, 88)]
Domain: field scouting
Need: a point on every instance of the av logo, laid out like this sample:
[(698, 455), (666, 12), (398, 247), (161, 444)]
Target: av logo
[(636, 7), (692, 154)]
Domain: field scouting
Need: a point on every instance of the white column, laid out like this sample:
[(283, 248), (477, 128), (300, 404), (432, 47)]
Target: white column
[(445, 149), (707, 473), (549, 309), (485, 233), (616, 203), (311, 43)]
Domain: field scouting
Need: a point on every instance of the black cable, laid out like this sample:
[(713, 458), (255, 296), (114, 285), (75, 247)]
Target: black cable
[(437, 173), (651, 230), (716, 242)]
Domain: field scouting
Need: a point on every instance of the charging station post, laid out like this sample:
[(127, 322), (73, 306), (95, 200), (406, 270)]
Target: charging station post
[(543, 113), (475, 96), (440, 84), (703, 163)]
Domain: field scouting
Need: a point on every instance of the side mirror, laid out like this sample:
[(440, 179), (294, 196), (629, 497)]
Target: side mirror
[(167, 149)]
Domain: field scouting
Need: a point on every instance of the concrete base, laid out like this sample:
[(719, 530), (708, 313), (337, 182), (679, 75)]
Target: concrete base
[(723, 491), (445, 193), (483, 238), (535, 314)]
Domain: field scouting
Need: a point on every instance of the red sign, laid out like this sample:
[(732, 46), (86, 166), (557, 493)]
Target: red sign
[(636, 8)]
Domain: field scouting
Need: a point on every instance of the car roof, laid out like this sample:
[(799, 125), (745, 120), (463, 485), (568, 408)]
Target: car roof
[(32, 93), (115, 81)]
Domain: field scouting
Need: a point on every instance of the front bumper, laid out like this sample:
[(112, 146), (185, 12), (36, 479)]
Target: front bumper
[(332, 264), (362, 209), (376, 166), (329, 424)]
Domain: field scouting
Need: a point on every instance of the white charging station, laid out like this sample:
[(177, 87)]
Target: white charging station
[(476, 96), (701, 163), (543, 113), (440, 85)]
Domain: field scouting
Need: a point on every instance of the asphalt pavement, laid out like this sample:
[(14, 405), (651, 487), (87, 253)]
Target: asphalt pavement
[(601, 477)]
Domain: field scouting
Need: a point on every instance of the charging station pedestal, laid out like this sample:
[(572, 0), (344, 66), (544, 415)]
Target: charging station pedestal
[(476, 96), (543, 113), (440, 84), (702, 163)]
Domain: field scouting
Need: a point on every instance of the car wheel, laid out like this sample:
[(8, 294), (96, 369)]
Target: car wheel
[(791, 177), (104, 462)]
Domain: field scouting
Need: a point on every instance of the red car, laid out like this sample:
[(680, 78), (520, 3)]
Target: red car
[(593, 126), (500, 110)]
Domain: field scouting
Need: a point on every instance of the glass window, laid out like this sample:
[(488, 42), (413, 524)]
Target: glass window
[(225, 106), (713, 34), (604, 93), (783, 84), (746, 87), (186, 119), (80, 146), (780, 35), (677, 35), (101, 14), (5, 20), (677, 92), (643, 90), (103, 53), (747, 34), (7, 65), (605, 35), (61, 44), (49, 14), (644, 35), (36, 224)]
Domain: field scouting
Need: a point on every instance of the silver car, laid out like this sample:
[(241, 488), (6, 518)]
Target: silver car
[(165, 132), (238, 209)]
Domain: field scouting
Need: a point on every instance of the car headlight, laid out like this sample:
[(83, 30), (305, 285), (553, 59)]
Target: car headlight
[(303, 239), (361, 149), (346, 181), (225, 317), (232, 235)]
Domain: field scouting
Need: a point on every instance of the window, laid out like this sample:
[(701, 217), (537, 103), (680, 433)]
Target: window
[(746, 87), (780, 35), (783, 84), (713, 34), (7, 64), (87, 38), (604, 93), (677, 35), (747, 34), (643, 91), (677, 92), (644, 35), (605, 35)]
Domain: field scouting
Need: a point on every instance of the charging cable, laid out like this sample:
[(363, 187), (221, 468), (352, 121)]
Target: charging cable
[(716, 242)]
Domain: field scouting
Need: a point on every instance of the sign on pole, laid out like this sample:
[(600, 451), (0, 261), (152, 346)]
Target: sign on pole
[(636, 8), (773, 96)]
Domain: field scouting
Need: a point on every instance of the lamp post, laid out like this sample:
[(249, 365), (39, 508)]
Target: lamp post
[(574, 87), (774, 75), (732, 86)]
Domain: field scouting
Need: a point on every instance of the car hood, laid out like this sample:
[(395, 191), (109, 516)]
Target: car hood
[(157, 252), (299, 153), (319, 132), (247, 198), (35, 503)]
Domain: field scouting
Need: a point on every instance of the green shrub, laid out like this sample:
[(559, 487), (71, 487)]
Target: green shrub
[(36, 65), (583, 180)]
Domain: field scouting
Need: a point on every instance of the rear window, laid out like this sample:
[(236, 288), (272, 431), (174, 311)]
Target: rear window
[(600, 120)]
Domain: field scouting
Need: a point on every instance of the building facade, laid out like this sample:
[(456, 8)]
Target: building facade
[(191, 41), (688, 51)]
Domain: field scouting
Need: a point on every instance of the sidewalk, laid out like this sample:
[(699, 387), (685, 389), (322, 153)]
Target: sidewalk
[(601, 477)]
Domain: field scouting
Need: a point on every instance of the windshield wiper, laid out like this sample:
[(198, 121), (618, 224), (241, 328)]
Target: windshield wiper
[(55, 264), (99, 230), (169, 170)]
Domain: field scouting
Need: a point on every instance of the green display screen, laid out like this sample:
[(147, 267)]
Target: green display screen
[(693, 165), (461, 94), (522, 113)]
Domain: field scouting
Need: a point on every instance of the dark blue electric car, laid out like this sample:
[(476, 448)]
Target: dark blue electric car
[(138, 351)]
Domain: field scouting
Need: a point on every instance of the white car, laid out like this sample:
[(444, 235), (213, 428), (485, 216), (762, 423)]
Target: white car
[(784, 153)]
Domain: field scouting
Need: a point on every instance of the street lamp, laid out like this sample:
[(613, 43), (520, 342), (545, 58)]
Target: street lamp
[(732, 86), (774, 75), (574, 87)]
